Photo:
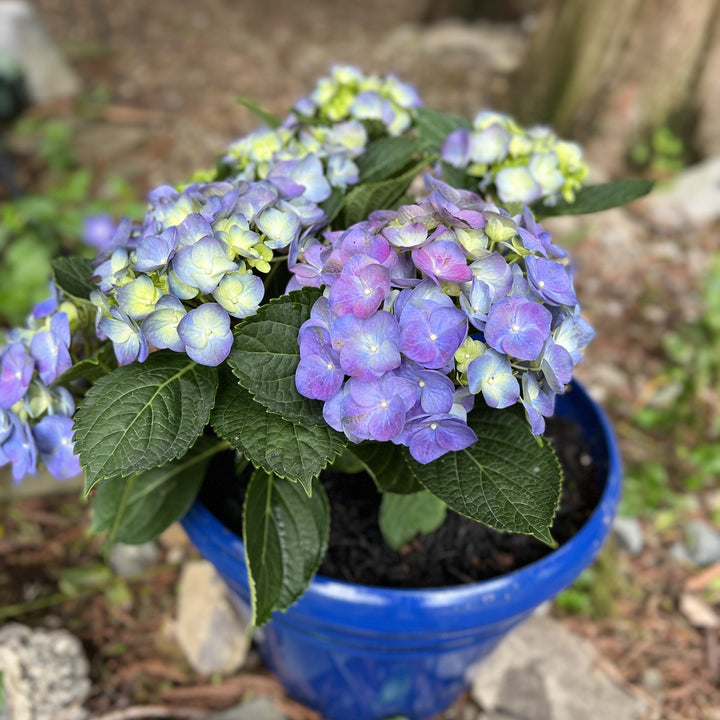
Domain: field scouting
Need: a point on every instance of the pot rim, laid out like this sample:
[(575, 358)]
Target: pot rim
[(330, 602)]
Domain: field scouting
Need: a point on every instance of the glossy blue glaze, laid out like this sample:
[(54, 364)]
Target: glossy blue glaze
[(356, 652)]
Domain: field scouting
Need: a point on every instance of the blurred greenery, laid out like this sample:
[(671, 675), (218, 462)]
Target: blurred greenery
[(594, 592), (682, 418), (662, 155), (45, 222)]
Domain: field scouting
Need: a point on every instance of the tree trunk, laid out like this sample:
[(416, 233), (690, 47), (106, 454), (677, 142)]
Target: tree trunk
[(616, 69)]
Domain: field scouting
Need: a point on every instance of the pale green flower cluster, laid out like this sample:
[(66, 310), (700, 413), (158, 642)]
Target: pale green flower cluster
[(522, 164), (349, 94), (330, 124)]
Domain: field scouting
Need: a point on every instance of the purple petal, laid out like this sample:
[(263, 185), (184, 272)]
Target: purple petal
[(16, 370), (518, 327), (442, 260)]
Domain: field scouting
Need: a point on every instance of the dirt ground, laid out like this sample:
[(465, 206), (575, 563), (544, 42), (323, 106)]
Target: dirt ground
[(168, 74)]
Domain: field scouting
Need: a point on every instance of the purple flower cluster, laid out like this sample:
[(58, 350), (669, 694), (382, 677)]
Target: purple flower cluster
[(36, 418), (177, 281), (429, 305)]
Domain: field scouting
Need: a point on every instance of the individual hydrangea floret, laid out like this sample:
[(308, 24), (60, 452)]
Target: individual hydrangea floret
[(427, 307), (517, 164)]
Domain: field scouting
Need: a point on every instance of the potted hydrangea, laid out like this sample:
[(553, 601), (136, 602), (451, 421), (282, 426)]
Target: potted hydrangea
[(361, 287)]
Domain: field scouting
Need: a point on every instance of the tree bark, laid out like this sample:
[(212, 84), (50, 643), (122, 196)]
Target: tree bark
[(619, 68)]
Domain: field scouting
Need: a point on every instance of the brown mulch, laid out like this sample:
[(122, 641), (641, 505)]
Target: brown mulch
[(646, 642)]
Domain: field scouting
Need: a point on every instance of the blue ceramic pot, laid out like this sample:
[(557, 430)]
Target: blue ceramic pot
[(355, 652)]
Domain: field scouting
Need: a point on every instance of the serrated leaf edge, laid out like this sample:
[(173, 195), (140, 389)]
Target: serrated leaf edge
[(90, 484)]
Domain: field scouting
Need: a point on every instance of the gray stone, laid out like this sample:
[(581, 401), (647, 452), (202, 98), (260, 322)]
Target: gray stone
[(652, 680), (45, 674), (523, 696), (629, 533), (679, 554), (41, 484), (210, 631), (543, 662), (23, 37), (130, 560), (257, 709), (692, 200), (703, 542)]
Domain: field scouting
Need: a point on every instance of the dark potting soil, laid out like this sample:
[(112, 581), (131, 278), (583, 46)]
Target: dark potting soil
[(459, 551)]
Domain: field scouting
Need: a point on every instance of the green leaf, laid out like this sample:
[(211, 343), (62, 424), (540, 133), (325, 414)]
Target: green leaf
[(402, 517), (265, 116), (387, 466), (286, 535), (276, 280), (384, 157), (101, 363), (138, 508), (433, 126), (332, 206), (594, 198), (508, 479), (364, 199), (459, 178), (266, 354), (74, 580), (143, 415), (347, 462), (290, 450), (73, 276)]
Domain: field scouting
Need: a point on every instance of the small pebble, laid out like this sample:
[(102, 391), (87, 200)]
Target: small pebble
[(130, 560), (629, 533), (703, 542), (652, 679)]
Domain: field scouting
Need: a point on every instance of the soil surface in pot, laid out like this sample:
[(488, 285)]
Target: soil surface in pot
[(458, 552)]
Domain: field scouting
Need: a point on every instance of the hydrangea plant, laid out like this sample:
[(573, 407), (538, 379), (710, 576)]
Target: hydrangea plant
[(298, 307)]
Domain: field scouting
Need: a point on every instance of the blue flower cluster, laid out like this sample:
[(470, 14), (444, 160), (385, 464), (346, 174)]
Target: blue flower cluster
[(327, 125), (522, 164), (177, 280), (428, 306), (36, 417)]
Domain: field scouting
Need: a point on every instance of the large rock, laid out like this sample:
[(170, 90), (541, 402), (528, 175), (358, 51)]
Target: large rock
[(39, 485), (691, 200), (23, 37), (44, 674), (211, 633), (541, 671), (255, 709)]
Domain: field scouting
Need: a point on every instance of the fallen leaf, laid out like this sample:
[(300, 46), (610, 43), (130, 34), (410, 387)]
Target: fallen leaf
[(697, 612)]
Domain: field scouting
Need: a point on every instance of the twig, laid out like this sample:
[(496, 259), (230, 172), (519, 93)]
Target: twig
[(712, 656), (152, 711), (10, 611)]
